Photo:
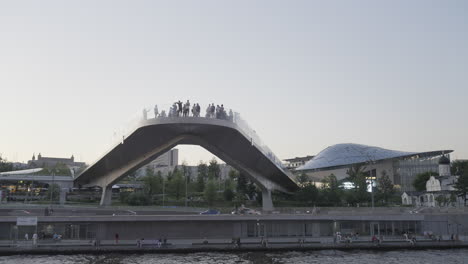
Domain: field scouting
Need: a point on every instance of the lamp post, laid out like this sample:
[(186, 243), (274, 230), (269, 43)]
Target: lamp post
[(51, 186), (372, 189), (163, 191), (371, 177), (186, 183)]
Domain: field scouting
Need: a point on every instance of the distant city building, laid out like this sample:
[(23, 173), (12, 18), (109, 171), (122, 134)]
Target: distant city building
[(168, 159), (50, 162), (296, 162), (440, 189), (20, 166), (164, 163), (401, 167)]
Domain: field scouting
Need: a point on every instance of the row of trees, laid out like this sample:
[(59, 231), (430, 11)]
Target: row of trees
[(331, 192), (206, 186)]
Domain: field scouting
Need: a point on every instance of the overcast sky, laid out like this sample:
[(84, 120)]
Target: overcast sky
[(304, 74)]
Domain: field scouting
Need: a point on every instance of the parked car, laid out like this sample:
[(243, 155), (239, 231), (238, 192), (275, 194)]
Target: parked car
[(210, 212)]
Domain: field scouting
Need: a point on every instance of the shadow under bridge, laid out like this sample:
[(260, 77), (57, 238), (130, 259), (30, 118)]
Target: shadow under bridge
[(225, 139)]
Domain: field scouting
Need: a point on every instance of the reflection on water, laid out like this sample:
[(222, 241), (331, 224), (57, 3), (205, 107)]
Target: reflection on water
[(322, 257)]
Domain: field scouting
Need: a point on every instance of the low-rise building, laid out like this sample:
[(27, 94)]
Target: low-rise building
[(440, 189), (50, 162), (296, 162)]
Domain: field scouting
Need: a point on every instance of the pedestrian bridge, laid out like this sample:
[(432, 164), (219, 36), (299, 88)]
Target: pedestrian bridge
[(231, 140)]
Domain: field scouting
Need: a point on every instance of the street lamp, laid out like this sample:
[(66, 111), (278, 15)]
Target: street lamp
[(371, 178), (163, 191), (186, 183), (372, 187), (50, 187)]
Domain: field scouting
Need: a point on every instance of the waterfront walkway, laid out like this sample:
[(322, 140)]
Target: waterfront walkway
[(204, 245)]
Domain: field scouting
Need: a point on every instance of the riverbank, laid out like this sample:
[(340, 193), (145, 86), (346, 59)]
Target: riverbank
[(129, 247)]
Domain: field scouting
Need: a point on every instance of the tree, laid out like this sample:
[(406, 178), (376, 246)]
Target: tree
[(239, 199), (5, 165), (213, 169), (138, 198), (385, 187), (453, 198), (330, 190), (251, 190), (350, 196), (210, 192), (187, 171), (53, 191), (459, 167), (152, 184), (307, 194), (242, 184), (176, 185), (202, 175), (419, 182), (441, 200), (461, 186), (233, 174), (358, 177), (302, 179), (355, 174), (228, 194)]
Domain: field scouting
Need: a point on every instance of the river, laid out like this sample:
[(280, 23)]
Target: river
[(459, 256)]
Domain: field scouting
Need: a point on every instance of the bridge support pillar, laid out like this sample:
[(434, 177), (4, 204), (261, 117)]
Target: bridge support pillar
[(63, 195), (106, 198), (267, 202)]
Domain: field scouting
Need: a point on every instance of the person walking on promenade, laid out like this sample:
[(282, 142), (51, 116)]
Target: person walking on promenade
[(116, 238), (301, 242), (26, 236), (140, 242), (34, 238), (97, 243)]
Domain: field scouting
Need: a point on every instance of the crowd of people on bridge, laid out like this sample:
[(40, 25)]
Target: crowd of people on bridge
[(180, 109)]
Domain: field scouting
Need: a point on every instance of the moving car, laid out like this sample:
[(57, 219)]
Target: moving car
[(210, 212), (246, 211)]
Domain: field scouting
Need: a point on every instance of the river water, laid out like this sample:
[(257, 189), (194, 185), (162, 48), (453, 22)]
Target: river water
[(459, 256)]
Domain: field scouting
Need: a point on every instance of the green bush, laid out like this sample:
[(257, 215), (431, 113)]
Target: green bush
[(138, 198)]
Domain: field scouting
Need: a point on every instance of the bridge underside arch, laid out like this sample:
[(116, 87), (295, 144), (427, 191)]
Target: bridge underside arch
[(222, 139)]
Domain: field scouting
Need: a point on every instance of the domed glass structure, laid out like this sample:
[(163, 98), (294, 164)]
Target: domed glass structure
[(347, 154)]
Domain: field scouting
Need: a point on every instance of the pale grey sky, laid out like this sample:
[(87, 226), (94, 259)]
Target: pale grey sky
[(304, 74)]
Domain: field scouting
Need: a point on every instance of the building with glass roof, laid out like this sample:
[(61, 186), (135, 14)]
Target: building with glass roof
[(400, 166)]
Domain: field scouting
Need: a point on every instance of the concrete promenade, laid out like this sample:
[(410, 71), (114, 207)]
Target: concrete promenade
[(218, 245), (93, 230)]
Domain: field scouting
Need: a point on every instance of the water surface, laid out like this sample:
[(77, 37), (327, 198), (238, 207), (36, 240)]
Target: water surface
[(459, 256)]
